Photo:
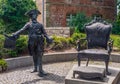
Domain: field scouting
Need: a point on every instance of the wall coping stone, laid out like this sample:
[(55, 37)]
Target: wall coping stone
[(50, 58)]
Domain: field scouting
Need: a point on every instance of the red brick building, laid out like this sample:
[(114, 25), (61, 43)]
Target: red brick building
[(58, 12)]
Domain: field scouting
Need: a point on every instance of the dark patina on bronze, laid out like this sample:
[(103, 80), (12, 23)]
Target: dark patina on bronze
[(99, 44), (36, 37)]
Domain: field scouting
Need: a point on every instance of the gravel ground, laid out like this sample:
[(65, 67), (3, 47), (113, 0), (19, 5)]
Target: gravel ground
[(57, 73)]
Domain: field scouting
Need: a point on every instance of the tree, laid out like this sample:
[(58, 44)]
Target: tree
[(116, 24), (12, 13)]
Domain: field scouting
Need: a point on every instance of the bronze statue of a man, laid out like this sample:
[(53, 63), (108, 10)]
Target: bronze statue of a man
[(36, 39)]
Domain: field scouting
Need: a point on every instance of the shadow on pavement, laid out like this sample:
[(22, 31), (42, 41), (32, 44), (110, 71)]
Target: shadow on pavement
[(50, 77)]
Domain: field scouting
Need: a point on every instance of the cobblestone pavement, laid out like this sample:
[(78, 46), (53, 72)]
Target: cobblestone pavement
[(57, 73)]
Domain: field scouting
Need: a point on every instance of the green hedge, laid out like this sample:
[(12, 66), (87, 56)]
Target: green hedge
[(3, 65), (21, 46), (116, 39), (60, 43)]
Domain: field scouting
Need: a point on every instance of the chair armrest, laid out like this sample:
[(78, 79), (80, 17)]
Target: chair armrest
[(110, 46), (79, 43)]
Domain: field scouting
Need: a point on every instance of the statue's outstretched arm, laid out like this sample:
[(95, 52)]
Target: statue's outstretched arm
[(17, 33), (22, 29)]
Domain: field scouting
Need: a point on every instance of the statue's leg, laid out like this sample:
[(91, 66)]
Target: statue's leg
[(35, 61), (41, 71)]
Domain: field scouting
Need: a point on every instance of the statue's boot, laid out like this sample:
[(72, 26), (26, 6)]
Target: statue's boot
[(35, 70), (35, 63), (41, 71)]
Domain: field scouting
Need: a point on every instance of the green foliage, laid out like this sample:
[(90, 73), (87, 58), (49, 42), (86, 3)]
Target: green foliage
[(60, 43), (3, 64), (2, 51), (12, 53), (77, 36), (78, 22), (21, 46), (21, 43), (116, 26), (118, 4), (2, 26), (116, 39), (12, 13)]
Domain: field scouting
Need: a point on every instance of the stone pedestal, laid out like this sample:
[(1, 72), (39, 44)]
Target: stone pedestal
[(89, 72), (111, 79)]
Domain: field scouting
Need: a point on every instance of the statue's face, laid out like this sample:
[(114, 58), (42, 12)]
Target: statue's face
[(34, 16)]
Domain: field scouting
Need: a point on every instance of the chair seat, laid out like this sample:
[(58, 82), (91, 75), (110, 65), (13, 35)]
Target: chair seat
[(94, 54), (94, 51)]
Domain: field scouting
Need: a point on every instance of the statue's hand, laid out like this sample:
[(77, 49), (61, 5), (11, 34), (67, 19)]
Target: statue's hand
[(15, 36), (49, 40)]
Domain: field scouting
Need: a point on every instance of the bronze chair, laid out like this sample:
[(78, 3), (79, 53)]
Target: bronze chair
[(99, 45)]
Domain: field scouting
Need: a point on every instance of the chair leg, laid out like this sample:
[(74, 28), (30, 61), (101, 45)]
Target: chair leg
[(106, 64), (79, 61), (87, 62)]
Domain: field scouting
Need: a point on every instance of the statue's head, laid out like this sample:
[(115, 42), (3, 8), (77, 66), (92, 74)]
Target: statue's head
[(97, 18), (33, 14)]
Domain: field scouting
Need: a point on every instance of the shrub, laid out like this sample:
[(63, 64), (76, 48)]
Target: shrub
[(78, 22), (21, 46), (116, 39), (116, 24), (116, 28), (12, 53), (21, 43), (60, 43), (3, 65), (77, 36)]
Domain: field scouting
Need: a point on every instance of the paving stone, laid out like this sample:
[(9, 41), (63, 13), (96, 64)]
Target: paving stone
[(57, 73)]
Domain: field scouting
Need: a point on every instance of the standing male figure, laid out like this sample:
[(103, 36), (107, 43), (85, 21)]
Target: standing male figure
[(36, 39)]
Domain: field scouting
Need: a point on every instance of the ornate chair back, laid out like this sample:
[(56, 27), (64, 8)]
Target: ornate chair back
[(97, 34)]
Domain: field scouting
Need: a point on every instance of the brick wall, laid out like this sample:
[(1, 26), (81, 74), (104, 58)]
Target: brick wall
[(56, 10), (39, 5)]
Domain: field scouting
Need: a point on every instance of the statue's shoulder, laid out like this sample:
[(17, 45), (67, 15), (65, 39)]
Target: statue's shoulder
[(41, 25)]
